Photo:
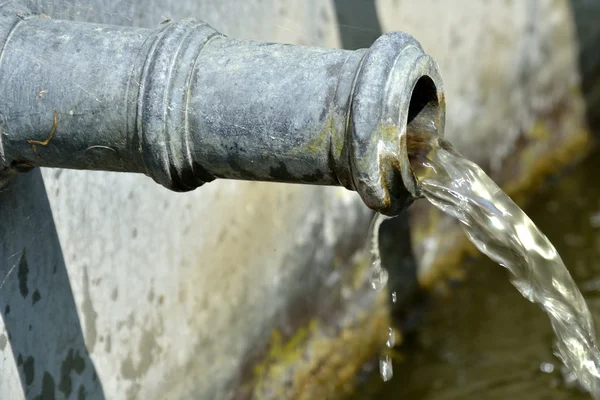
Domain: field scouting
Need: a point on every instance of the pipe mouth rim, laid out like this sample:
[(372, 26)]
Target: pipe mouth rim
[(425, 115), (388, 100)]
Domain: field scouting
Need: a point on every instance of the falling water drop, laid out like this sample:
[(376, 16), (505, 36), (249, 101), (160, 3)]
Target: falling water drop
[(394, 297), (385, 368), (379, 279), (547, 367), (391, 339)]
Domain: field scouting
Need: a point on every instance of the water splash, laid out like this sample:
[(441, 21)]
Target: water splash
[(502, 231)]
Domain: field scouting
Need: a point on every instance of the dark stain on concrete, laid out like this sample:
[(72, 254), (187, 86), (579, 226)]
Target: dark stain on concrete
[(129, 323), (148, 351), (36, 297), (48, 388), (81, 393), (73, 362), (29, 370), (133, 391), (22, 274), (6, 310), (3, 342), (89, 313), (151, 295), (108, 344)]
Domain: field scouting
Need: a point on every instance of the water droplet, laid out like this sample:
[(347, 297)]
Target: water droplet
[(379, 278), (547, 367), (385, 368), (394, 297), (391, 340), (595, 220)]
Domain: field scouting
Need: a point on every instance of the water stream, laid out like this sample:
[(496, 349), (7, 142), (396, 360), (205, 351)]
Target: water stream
[(502, 231)]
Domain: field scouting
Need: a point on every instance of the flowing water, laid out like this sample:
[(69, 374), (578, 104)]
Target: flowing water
[(502, 231)]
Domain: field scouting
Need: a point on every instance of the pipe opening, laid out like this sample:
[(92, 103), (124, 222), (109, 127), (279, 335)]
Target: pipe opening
[(422, 126), (423, 110), (423, 120)]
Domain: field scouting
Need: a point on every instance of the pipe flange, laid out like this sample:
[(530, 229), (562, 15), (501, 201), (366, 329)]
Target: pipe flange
[(11, 15), (163, 104), (386, 89)]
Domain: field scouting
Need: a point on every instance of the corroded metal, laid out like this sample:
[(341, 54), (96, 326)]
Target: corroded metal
[(185, 104)]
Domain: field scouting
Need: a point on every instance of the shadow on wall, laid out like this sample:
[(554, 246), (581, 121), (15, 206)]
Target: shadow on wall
[(586, 14), (41, 323), (358, 23), (397, 256)]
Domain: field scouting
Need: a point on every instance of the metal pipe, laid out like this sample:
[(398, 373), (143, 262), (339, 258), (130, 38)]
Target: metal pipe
[(185, 104)]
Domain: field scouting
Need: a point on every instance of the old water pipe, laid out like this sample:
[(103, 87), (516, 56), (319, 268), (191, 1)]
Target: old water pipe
[(185, 105)]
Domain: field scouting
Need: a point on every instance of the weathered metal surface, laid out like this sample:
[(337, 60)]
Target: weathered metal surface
[(185, 105)]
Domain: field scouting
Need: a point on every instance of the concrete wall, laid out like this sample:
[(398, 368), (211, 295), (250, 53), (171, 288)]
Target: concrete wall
[(113, 287)]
